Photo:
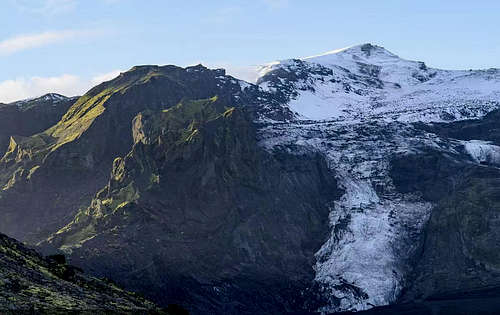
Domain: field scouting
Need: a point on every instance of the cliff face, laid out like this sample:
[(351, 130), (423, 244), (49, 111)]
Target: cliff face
[(460, 243), (202, 216)]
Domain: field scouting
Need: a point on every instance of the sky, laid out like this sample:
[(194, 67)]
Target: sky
[(68, 46)]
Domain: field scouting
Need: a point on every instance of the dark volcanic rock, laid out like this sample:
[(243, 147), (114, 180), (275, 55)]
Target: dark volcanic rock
[(461, 243), (197, 214), (486, 128)]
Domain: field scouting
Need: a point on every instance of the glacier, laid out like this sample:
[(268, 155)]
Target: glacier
[(358, 106)]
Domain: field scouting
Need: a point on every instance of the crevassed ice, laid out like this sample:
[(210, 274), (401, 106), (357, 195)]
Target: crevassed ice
[(373, 233)]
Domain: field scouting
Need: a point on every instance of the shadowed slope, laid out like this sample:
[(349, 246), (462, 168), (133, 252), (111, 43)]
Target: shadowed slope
[(197, 214)]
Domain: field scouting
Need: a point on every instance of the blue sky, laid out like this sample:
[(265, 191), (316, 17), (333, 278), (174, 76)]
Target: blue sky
[(68, 45)]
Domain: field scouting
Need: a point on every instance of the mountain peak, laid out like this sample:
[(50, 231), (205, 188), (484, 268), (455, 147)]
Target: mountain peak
[(54, 97), (357, 52)]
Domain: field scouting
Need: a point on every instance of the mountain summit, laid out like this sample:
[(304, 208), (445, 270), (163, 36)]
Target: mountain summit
[(357, 52), (369, 82)]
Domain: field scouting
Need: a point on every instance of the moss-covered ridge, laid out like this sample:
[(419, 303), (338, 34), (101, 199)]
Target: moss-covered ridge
[(177, 131), (62, 168)]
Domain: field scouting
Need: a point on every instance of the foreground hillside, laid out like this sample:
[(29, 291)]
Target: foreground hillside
[(30, 282)]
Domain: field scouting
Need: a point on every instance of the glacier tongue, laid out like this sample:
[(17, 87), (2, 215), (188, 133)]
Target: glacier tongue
[(374, 229)]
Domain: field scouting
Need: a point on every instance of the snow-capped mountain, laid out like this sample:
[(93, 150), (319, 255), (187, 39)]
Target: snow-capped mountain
[(369, 82), (53, 98), (358, 106), (339, 182), (25, 117)]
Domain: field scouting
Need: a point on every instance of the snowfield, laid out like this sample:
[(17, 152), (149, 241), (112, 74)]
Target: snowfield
[(369, 82), (356, 106)]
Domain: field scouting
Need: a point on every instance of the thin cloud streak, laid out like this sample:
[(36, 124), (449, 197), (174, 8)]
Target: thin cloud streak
[(20, 43), (45, 7)]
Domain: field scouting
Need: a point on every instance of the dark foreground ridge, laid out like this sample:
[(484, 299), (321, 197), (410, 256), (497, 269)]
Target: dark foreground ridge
[(31, 282)]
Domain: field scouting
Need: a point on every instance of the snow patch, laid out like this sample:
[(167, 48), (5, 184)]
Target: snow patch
[(482, 151)]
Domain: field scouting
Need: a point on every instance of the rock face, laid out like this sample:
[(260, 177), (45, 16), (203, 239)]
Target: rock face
[(460, 248), (200, 215), (25, 118), (30, 282), (485, 301), (340, 182)]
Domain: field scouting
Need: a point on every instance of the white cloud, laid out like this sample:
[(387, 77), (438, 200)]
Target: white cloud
[(21, 88), (66, 84), (24, 42)]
